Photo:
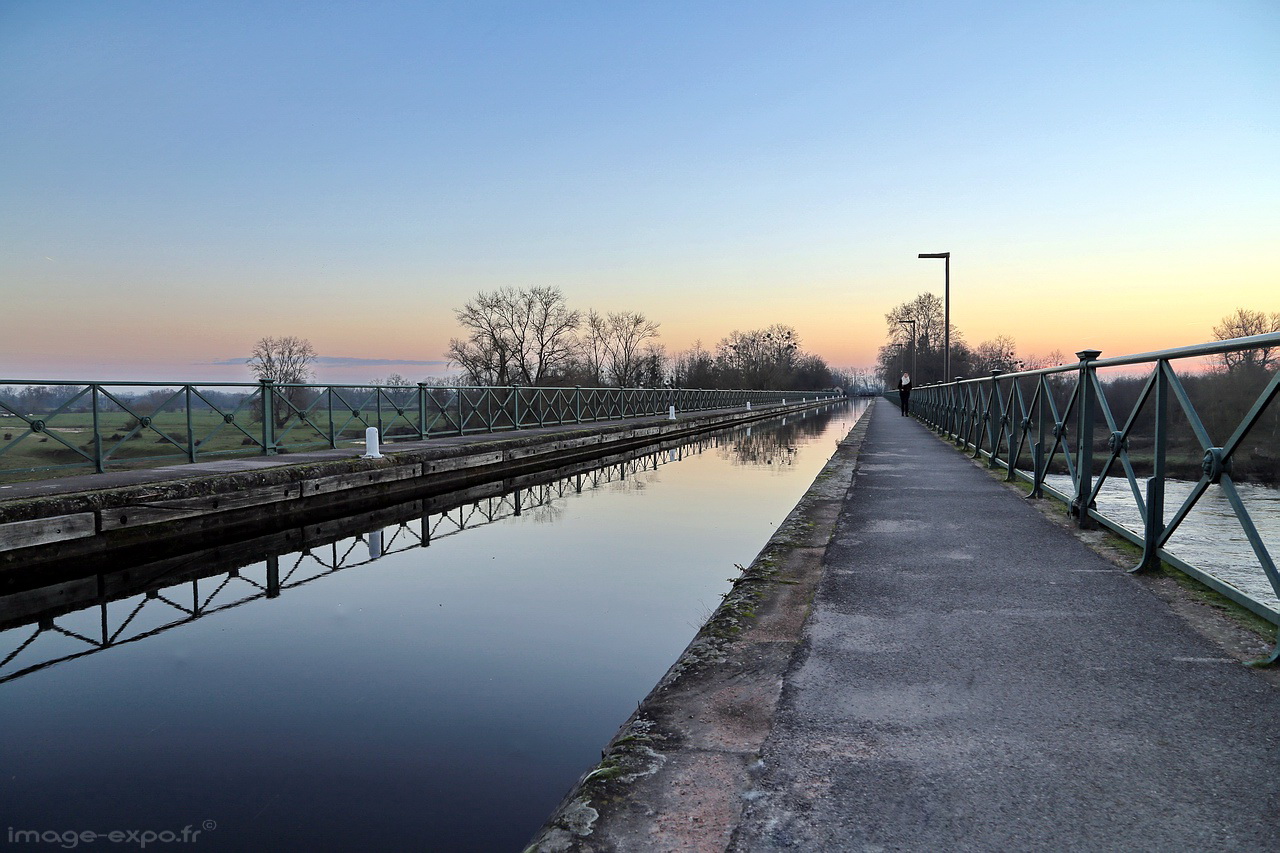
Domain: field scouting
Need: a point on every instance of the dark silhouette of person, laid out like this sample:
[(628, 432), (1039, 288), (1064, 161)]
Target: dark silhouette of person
[(904, 393)]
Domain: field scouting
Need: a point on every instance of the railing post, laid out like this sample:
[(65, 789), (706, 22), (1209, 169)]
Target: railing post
[(1084, 439), (515, 392), (333, 437), (268, 416), (377, 407), (1037, 449), (1153, 524), (994, 413), (191, 433), (577, 403), (961, 420), (1016, 423), (422, 411), (956, 403), (273, 576), (98, 461)]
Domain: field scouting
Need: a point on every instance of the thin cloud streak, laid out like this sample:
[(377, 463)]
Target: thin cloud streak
[(343, 361)]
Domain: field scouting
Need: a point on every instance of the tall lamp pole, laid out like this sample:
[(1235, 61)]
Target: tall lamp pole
[(913, 346), (946, 313)]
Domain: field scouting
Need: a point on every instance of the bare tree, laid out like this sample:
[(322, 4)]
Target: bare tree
[(760, 358), (626, 334), (1242, 324), (652, 369), (1054, 358), (926, 310), (593, 347), (694, 368), (284, 360), (999, 353), (524, 335)]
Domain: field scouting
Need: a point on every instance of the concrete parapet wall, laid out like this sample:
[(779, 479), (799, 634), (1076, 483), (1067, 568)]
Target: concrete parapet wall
[(673, 776)]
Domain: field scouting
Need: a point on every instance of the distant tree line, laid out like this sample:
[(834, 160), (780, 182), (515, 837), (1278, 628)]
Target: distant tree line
[(924, 316), (1220, 395), (530, 336)]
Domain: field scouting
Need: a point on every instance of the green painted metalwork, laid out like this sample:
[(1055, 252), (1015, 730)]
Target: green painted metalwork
[(54, 427), (1064, 414)]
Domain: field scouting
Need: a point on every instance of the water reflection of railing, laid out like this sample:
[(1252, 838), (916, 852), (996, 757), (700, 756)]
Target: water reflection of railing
[(1031, 421), (53, 426), (96, 612)]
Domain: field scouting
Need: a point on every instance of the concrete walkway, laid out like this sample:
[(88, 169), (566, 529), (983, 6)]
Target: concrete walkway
[(973, 677)]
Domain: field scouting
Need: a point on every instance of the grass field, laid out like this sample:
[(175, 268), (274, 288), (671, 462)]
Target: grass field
[(65, 443), (164, 441)]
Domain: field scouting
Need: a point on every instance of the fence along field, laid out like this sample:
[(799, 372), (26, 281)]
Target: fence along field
[(48, 429)]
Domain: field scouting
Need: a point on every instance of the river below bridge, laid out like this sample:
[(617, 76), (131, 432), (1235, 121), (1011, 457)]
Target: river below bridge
[(379, 694), (1211, 537)]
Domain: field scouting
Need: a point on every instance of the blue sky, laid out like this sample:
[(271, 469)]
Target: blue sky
[(179, 179)]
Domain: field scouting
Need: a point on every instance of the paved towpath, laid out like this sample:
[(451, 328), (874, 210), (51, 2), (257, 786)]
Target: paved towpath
[(973, 677)]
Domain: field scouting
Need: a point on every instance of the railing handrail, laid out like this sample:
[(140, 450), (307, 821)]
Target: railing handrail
[(414, 387), (1072, 423), (1270, 339)]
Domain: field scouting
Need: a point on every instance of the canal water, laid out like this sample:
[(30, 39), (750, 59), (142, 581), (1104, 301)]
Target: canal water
[(434, 680)]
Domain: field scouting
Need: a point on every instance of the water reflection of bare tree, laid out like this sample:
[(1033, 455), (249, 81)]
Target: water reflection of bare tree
[(776, 445)]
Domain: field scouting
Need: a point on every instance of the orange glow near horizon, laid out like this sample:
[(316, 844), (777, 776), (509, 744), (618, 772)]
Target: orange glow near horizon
[(1136, 307)]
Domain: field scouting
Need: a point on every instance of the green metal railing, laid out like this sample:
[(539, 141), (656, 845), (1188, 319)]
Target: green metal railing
[(55, 427), (1034, 422)]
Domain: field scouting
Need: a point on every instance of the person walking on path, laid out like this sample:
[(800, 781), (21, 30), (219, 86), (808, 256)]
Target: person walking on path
[(904, 393)]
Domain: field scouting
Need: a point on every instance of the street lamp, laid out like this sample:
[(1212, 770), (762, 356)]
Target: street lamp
[(914, 378), (946, 311)]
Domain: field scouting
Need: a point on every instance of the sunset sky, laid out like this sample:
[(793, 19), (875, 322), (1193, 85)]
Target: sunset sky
[(180, 179)]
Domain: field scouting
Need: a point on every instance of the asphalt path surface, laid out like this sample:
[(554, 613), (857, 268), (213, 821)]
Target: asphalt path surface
[(973, 677)]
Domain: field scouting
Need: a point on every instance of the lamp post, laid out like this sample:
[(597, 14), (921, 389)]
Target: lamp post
[(946, 310), (912, 323)]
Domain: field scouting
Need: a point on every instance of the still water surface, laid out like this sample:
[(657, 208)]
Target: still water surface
[(394, 696)]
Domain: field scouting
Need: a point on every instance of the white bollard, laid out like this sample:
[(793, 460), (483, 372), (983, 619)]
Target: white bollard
[(784, 402), (748, 405), (748, 430), (375, 544), (371, 444), (671, 413)]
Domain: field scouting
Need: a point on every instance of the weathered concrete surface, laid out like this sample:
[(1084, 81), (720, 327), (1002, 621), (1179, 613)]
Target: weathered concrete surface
[(973, 677), (674, 775)]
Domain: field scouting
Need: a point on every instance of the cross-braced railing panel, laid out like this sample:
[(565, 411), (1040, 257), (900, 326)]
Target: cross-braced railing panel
[(53, 427), (1112, 438)]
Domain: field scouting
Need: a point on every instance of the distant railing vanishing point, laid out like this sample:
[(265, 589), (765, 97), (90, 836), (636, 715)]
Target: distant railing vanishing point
[(1028, 422), (54, 426)]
